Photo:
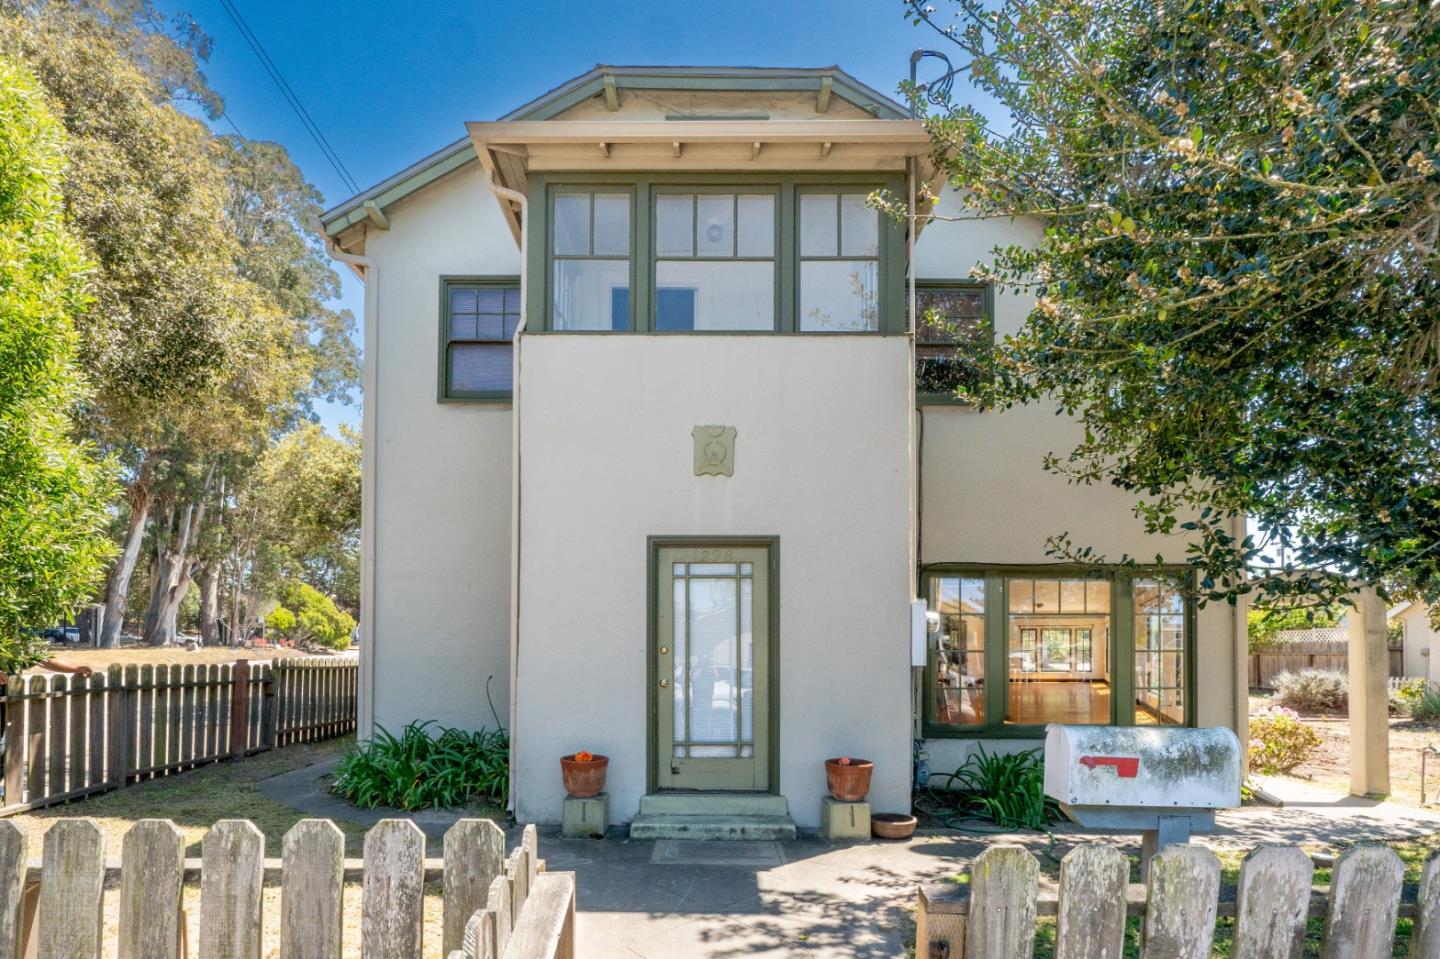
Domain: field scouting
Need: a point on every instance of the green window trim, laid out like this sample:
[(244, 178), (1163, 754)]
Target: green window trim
[(444, 394), (1120, 654), (922, 286), (891, 298)]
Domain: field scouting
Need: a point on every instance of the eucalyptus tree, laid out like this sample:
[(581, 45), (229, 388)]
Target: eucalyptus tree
[(1237, 288), (53, 491)]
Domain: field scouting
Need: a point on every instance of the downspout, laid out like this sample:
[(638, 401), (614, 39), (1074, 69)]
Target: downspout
[(912, 328), (503, 194), (369, 273)]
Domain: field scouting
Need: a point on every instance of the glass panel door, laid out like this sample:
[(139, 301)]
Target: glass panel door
[(712, 667)]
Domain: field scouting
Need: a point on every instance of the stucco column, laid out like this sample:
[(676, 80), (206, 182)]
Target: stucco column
[(1369, 710)]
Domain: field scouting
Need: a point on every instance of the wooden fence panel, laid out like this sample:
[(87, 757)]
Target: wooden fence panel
[(497, 903), (232, 869), (1425, 935), (73, 870), (1003, 883), (474, 856), (1091, 919), (14, 860), (1183, 894), (152, 868), (1364, 902), (312, 917), (37, 688), (57, 735), (546, 929), (393, 891), (1272, 903)]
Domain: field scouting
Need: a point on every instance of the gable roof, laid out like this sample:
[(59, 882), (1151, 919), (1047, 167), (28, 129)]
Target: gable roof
[(370, 203)]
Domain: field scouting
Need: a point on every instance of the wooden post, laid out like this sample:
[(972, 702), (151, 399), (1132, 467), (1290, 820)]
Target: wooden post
[(1364, 901), (232, 868), (72, 877), (1425, 937), (1182, 900), (1091, 920), (120, 731), (311, 896), (240, 708), (14, 860), (474, 856), (498, 904), (37, 689), (151, 871), (1272, 903), (1004, 881), (14, 743), (393, 891)]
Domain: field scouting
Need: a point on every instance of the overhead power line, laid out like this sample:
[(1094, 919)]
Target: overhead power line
[(291, 97)]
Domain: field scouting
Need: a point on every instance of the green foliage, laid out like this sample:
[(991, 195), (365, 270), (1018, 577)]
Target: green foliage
[(1264, 624), (1312, 689), (1237, 281), (317, 619), (1279, 741), (281, 620), (1417, 699), (52, 493), (1007, 788), (424, 768)]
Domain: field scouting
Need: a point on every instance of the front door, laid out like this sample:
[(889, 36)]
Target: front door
[(712, 659)]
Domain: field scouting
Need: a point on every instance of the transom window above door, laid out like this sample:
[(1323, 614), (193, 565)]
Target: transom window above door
[(673, 254)]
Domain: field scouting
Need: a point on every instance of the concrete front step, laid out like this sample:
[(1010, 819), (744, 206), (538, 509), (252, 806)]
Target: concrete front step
[(713, 804), (711, 826)]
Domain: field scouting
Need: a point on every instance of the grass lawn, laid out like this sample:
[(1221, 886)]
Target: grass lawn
[(196, 800)]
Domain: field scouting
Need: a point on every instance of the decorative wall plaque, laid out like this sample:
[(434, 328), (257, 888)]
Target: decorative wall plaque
[(714, 450)]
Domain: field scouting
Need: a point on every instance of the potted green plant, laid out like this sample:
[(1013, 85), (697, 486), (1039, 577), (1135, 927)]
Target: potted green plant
[(848, 779), (583, 774)]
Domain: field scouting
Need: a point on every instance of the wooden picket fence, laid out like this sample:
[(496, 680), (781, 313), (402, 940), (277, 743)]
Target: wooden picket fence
[(495, 907), (994, 916), (1317, 653), (68, 737)]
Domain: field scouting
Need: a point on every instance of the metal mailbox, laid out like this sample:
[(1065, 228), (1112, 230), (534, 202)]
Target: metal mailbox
[(1162, 781)]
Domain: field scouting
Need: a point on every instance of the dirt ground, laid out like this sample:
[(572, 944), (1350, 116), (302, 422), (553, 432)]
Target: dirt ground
[(1330, 767)]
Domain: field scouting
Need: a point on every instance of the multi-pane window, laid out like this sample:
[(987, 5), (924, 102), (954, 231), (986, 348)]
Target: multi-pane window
[(957, 656), (1056, 649), (1159, 652), (479, 321), (714, 261), (590, 249), (953, 339), (839, 263)]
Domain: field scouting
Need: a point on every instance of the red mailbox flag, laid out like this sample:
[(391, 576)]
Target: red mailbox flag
[(1126, 767)]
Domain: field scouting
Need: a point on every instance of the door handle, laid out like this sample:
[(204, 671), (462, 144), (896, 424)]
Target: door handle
[(664, 684)]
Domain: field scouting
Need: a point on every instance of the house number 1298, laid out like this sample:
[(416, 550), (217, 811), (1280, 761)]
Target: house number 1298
[(717, 556)]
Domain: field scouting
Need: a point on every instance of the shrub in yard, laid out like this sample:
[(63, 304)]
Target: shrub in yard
[(1417, 699), (280, 620), (1312, 689), (1006, 788), (1279, 741), (316, 618), (426, 767)]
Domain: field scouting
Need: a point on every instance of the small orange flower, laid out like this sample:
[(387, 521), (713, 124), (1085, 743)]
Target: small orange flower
[(584, 756), (844, 760)]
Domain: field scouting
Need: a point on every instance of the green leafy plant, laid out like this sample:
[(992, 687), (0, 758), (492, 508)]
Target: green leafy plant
[(1007, 788), (1416, 699), (426, 768), (281, 620), (1312, 689), (313, 617), (1279, 741)]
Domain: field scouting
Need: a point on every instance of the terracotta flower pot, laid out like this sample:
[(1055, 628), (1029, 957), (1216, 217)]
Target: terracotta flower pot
[(848, 781), (892, 825), (584, 777)]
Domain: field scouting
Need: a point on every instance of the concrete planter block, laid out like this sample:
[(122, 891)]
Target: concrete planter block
[(586, 818), (844, 820)]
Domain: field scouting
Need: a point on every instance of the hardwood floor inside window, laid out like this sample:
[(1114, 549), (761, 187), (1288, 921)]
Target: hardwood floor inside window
[(1059, 702)]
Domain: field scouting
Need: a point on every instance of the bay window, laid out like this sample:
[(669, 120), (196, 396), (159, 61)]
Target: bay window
[(1012, 650)]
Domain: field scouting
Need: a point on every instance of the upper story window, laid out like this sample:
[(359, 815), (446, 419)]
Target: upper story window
[(839, 263), (478, 317), (714, 261), (671, 253), (591, 255), (954, 336)]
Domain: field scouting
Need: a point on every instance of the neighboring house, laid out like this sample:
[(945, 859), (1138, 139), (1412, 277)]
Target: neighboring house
[(682, 519), (1418, 638)]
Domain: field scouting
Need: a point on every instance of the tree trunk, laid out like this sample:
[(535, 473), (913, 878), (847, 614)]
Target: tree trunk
[(162, 575), (210, 603), (174, 571), (117, 593)]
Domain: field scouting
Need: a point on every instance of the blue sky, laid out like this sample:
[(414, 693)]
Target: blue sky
[(388, 83)]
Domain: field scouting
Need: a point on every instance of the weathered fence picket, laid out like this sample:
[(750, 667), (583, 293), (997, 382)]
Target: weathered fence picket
[(995, 913), (231, 873), (67, 737), (474, 856)]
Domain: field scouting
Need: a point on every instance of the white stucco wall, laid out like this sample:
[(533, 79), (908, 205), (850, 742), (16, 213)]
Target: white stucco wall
[(1422, 642), (820, 462), (986, 497), (440, 608)]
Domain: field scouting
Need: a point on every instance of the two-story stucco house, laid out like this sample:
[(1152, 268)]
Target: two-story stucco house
[(654, 450)]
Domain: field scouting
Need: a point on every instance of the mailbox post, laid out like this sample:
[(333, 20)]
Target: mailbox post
[(1164, 782)]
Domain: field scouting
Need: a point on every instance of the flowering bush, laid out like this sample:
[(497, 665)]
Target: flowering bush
[(1279, 741)]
